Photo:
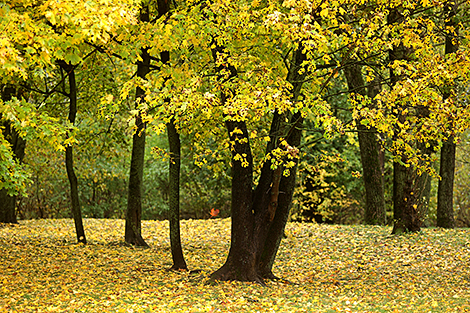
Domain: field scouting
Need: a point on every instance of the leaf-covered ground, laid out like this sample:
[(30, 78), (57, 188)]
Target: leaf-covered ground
[(328, 268)]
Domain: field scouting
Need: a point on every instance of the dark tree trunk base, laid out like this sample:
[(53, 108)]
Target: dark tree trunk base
[(137, 241), (230, 273)]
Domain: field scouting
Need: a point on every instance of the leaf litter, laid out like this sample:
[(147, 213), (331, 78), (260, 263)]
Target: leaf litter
[(325, 268)]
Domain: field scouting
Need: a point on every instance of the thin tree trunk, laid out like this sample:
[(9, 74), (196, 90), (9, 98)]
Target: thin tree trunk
[(76, 210), (174, 213), (179, 262), (18, 144), (445, 192), (399, 170), (133, 228), (370, 155)]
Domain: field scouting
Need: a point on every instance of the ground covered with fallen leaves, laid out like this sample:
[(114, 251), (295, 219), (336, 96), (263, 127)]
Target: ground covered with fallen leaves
[(326, 269)]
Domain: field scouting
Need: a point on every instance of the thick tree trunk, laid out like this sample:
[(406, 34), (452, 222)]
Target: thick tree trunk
[(374, 213), (133, 233), (445, 192), (75, 202), (405, 202), (423, 184), (174, 210), (18, 144), (240, 264), (259, 217), (406, 215)]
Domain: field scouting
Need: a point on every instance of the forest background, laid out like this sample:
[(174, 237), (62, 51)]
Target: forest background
[(94, 77)]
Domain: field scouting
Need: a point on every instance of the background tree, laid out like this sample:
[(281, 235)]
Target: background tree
[(445, 192), (133, 233), (74, 197), (174, 144), (372, 172), (17, 146)]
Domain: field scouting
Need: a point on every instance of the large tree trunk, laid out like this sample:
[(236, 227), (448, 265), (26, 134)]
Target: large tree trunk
[(406, 214), (18, 144), (76, 210), (259, 216), (370, 154), (133, 233), (240, 264), (405, 206), (445, 192)]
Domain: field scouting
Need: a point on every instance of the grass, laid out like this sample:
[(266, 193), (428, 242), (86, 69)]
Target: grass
[(328, 268)]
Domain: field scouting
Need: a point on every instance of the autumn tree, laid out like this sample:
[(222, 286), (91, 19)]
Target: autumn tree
[(39, 40), (413, 105), (133, 233), (369, 148), (69, 161), (174, 144), (445, 192), (17, 145), (256, 94)]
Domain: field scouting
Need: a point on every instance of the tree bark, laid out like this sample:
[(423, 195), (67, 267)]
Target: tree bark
[(445, 192), (179, 262), (18, 144), (75, 202), (423, 183), (174, 143), (240, 264), (405, 206), (259, 216), (133, 228), (275, 229), (370, 154), (267, 254)]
